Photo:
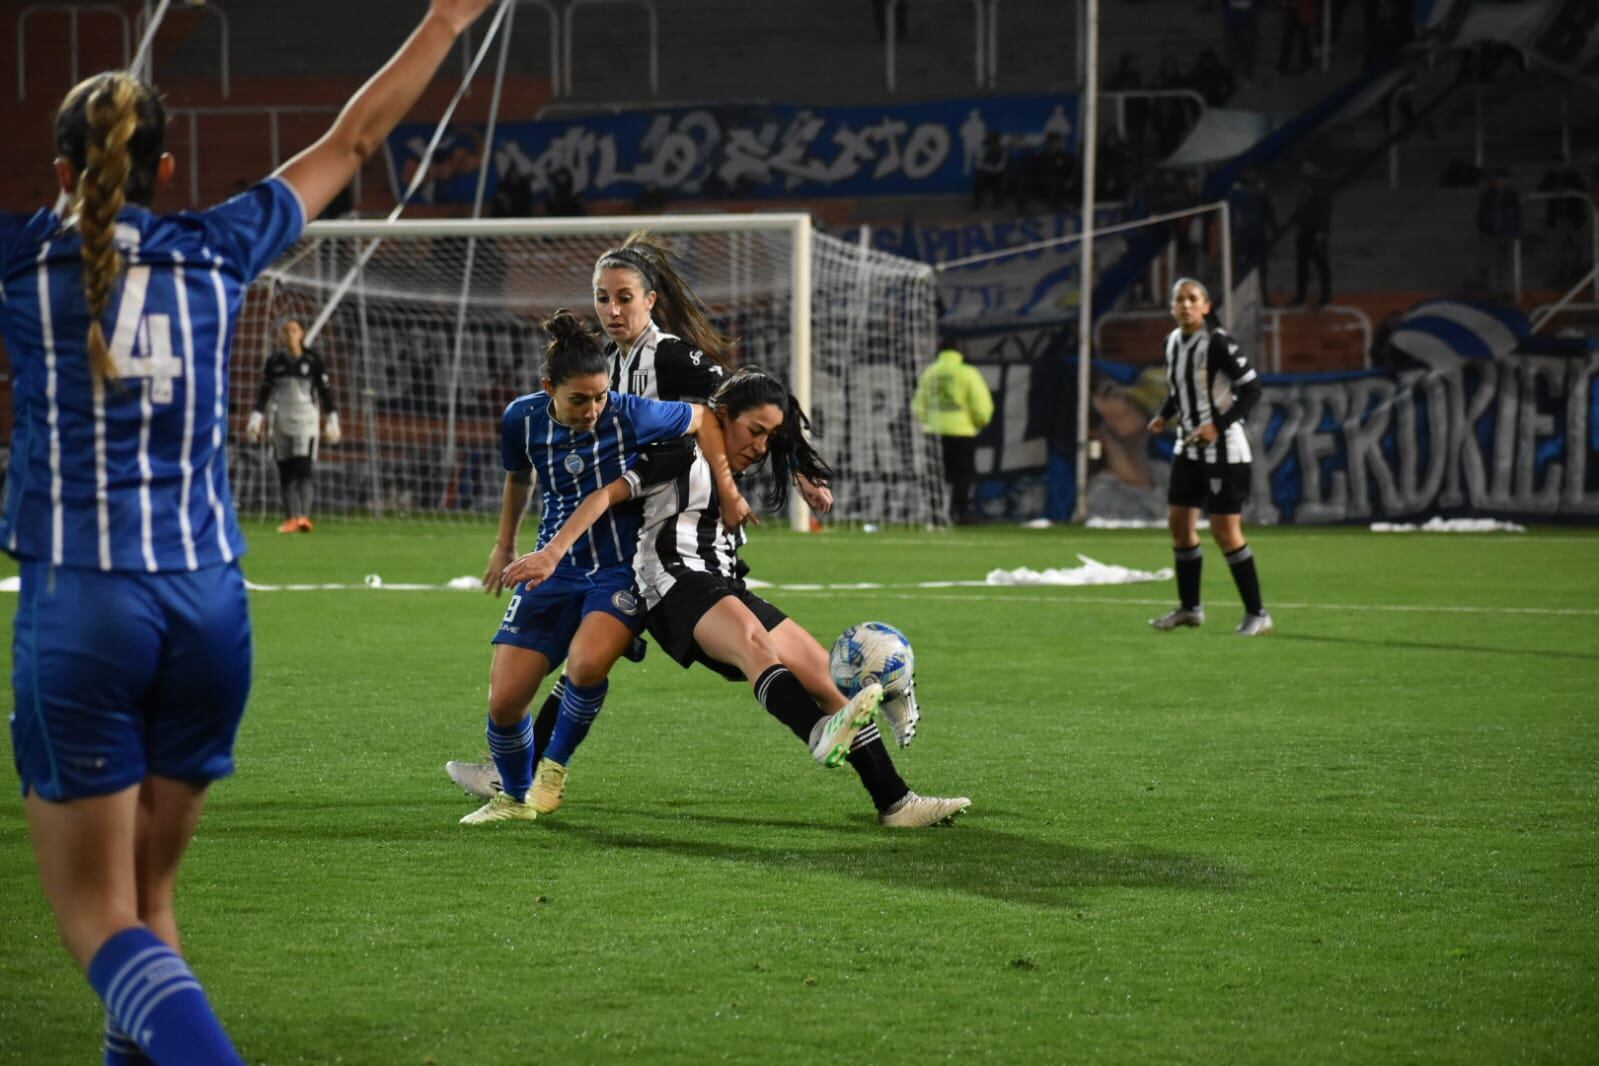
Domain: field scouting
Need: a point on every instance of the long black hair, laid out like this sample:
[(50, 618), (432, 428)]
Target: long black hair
[(574, 350), (788, 447)]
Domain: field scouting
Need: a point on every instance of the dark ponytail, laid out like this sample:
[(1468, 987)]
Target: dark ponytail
[(573, 350), (788, 448)]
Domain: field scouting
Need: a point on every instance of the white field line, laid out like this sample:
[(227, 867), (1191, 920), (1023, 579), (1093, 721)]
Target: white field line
[(926, 590)]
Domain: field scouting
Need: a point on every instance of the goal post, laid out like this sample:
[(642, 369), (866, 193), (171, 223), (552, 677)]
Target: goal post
[(430, 327)]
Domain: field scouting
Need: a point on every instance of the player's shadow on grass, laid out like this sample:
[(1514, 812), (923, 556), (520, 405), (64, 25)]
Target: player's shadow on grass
[(965, 858), (1423, 645)]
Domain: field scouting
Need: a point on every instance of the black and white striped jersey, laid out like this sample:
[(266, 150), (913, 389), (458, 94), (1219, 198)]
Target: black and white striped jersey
[(664, 367), (1209, 380), (682, 529)]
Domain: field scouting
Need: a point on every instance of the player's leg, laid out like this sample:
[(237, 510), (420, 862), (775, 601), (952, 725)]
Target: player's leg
[(1228, 531), (1182, 519), (897, 806), (80, 675), (286, 491)]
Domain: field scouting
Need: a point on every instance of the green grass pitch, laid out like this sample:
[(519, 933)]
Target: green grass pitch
[(1370, 837)]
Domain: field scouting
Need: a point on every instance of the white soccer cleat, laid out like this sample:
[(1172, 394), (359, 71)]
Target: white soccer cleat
[(899, 710), (480, 779), (918, 812), (502, 808), (831, 740), (1182, 616), (1254, 625)]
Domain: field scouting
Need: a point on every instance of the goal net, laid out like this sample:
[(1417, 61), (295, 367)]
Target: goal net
[(430, 328)]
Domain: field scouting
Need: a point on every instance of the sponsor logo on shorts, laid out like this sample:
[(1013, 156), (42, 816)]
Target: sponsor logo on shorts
[(573, 464), (624, 601), (1215, 486)]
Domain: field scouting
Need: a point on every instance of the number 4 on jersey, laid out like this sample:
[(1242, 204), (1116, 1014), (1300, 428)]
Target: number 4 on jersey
[(141, 346)]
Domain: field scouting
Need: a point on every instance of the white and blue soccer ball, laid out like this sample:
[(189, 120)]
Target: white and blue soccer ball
[(873, 651)]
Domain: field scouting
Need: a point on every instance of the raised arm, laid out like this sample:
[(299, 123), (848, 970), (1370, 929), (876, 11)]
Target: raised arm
[(713, 445), (513, 505), (322, 170)]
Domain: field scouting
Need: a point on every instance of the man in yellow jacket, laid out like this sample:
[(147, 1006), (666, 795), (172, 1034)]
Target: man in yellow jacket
[(952, 400)]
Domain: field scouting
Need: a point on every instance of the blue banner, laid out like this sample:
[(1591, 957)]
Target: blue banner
[(719, 153)]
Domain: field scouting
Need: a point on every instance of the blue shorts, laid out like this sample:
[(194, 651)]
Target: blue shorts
[(544, 619), (120, 676)]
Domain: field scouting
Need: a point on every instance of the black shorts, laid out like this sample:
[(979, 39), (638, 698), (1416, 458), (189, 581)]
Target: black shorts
[(671, 622), (1219, 488)]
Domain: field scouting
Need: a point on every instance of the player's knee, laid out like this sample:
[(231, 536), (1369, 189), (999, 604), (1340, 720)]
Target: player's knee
[(587, 670)]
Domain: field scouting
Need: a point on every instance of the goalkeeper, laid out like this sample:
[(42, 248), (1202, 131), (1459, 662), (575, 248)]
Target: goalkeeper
[(295, 390)]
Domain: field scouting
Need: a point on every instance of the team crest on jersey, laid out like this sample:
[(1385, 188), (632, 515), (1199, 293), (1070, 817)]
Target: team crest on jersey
[(624, 601), (573, 464)]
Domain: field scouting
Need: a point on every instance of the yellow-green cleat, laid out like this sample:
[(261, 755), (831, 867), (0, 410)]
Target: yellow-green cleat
[(549, 785), (831, 739), (502, 808)]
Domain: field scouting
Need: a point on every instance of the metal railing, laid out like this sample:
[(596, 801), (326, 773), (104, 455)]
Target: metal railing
[(655, 40), (271, 112), (224, 49), (558, 78), (72, 14), (1593, 236)]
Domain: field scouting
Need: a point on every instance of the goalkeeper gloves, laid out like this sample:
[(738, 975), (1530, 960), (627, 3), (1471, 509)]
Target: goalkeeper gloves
[(252, 431), (331, 433)]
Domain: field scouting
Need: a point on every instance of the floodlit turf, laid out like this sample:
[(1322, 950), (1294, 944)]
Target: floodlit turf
[(1370, 837)]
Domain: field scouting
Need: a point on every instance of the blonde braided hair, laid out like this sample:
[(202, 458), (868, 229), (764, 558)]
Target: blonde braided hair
[(113, 117)]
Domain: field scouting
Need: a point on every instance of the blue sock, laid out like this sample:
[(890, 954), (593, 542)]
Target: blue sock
[(512, 748), (119, 1049), (579, 707), (153, 997)]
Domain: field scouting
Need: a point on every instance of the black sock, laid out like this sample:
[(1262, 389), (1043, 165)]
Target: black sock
[(1190, 561), (544, 724), (785, 699), (870, 759), (1243, 563)]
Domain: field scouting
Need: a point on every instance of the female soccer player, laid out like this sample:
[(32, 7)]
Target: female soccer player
[(700, 609), (295, 383), (131, 644), (577, 436), (664, 346), (1211, 390)]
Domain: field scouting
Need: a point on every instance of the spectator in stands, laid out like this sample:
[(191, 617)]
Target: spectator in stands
[(563, 201), (1498, 229), (1253, 221), (1312, 222), (989, 181), (1020, 172), (1116, 171), (952, 402), (1055, 177), (1170, 116), (1240, 21), (514, 196), (1212, 80), (1565, 216), (1299, 20), (1134, 113)]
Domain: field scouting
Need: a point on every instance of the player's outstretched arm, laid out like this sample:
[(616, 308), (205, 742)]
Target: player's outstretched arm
[(713, 445), (322, 170), (535, 567), (513, 505)]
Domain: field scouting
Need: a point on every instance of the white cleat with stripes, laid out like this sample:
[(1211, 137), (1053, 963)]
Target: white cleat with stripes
[(480, 779)]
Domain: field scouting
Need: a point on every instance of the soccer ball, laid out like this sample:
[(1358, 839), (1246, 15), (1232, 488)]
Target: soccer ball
[(872, 651)]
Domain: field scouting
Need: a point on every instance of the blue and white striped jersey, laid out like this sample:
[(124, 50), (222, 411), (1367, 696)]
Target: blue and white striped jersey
[(131, 474), (571, 465)]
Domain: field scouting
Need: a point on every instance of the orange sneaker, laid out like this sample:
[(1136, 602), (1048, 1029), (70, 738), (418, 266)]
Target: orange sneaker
[(304, 524), (291, 525)]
